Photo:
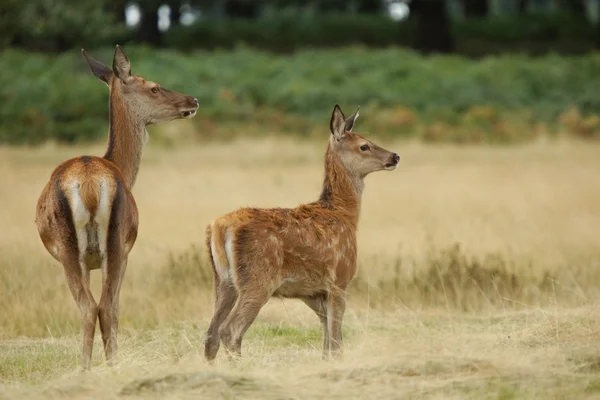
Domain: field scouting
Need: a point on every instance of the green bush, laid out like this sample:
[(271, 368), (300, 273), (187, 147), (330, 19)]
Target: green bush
[(522, 27), (440, 98), (55, 26)]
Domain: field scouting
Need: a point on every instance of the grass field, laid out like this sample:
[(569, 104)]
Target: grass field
[(479, 278)]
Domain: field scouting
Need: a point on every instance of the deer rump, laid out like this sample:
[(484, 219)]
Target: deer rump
[(289, 251)]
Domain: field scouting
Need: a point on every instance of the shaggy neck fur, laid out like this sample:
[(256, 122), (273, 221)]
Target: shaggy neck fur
[(342, 190), (125, 139)]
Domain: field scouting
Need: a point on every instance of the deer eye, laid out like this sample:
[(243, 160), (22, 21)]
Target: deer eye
[(364, 147), (155, 89)]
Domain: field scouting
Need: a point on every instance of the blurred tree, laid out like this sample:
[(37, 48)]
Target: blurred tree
[(175, 6), (598, 34), (50, 25), (369, 6), (573, 6), (475, 8), (432, 32), (10, 15), (248, 9), (117, 9), (147, 31), (332, 5), (523, 6)]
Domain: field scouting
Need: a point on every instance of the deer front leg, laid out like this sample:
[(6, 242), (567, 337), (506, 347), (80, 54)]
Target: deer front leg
[(336, 306), (319, 306)]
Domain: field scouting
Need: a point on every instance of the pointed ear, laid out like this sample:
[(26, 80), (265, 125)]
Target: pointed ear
[(101, 71), (121, 65), (351, 119), (337, 125)]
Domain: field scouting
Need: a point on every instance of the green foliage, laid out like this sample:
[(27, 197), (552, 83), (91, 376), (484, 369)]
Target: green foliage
[(55, 26), (523, 27), (498, 99), (9, 21)]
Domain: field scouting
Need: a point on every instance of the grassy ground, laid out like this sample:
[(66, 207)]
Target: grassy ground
[(479, 277)]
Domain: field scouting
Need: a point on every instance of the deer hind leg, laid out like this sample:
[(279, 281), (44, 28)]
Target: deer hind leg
[(319, 306), (251, 298), (220, 252), (225, 298), (336, 306), (112, 276), (78, 279), (112, 241)]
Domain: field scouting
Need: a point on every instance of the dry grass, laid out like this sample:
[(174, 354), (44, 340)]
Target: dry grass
[(512, 312)]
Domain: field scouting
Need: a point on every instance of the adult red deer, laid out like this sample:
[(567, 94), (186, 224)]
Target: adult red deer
[(308, 252), (87, 217)]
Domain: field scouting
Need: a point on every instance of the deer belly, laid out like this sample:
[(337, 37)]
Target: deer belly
[(302, 287)]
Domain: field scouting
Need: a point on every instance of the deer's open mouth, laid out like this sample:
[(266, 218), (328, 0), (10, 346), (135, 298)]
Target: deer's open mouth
[(390, 166), (188, 113)]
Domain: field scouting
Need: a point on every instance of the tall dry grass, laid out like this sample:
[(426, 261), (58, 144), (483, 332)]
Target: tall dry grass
[(469, 228)]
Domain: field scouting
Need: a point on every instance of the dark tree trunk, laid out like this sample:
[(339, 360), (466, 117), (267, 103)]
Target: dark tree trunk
[(523, 6), (148, 31), (175, 11), (117, 9), (432, 26), (247, 9), (369, 6), (475, 8), (573, 6), (333, 5)]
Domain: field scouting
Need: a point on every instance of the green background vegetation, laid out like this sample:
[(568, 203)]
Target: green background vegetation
[(436, 98), (460, 71)]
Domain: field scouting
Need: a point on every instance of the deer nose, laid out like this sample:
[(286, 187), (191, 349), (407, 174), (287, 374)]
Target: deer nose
[(396, 158), (195, 101)]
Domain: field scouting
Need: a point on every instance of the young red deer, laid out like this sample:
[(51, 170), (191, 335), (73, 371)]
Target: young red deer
[(308, 252), (86, 215)]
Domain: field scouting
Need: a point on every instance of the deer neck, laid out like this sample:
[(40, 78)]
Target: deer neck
[(126, 139), (342, 190)]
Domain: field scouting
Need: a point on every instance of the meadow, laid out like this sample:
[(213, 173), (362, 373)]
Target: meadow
[(479, 277)]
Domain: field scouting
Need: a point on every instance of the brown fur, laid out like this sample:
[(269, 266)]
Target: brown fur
[(308, 252), (87, 217)]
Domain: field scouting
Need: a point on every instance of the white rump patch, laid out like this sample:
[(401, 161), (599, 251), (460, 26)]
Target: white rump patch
[(92, 234), (102, 219), (222, 270), (81, 217), (229, 251)]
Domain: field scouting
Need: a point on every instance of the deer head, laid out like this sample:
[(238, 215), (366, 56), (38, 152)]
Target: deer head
[(146, 101), (360, 156)]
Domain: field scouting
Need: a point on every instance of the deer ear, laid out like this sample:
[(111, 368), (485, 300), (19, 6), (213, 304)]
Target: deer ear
[(351, 119), (121, 66), (101, 71), (337, 125)]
